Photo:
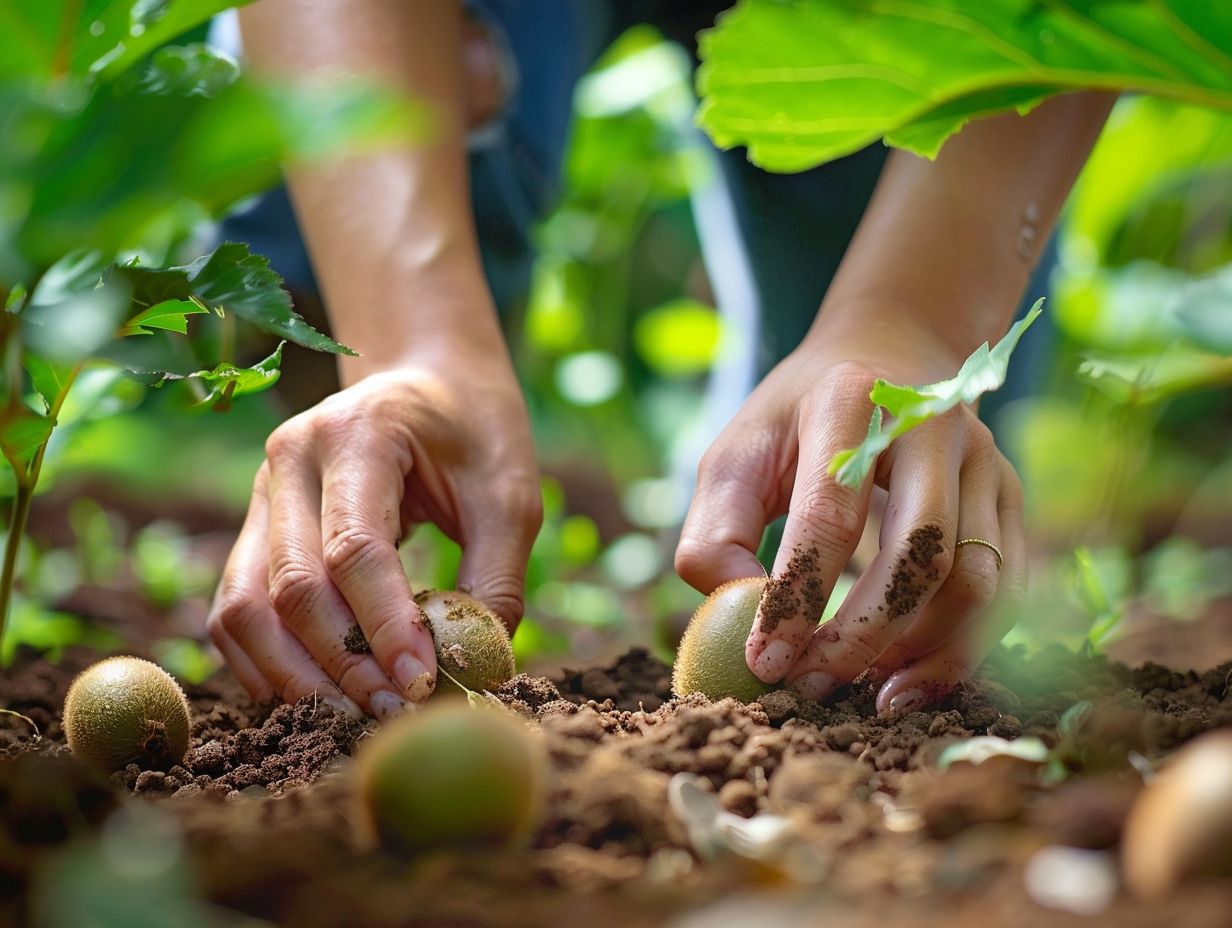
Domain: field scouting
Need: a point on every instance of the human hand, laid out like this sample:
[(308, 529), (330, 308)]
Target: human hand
[(911, 617), (341, 484)]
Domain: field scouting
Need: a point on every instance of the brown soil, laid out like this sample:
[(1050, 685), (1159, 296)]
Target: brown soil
[(880, 836)]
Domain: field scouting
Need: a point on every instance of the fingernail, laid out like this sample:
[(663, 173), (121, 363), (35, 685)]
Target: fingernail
[(386, 705), (906, 700), (815, 685), (773, 661), (411, 674), (346, 706)]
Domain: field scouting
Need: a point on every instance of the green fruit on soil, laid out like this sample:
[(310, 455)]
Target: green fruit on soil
[(710, 659), (472, 645), (126, 710), (450, 775)]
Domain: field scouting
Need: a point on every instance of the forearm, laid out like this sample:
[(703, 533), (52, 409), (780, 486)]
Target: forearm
[(391, 234), (950, 243)]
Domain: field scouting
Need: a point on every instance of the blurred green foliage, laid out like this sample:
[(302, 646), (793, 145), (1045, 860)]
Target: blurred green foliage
[(1123, 450)]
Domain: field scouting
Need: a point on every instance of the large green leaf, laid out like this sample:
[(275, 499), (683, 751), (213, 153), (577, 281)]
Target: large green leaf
[(801, 82), (984, 371)]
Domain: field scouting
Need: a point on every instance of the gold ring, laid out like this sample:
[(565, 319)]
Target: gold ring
[(987, 544)]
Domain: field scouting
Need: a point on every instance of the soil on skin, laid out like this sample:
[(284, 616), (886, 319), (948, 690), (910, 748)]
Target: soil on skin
[(881, 837)]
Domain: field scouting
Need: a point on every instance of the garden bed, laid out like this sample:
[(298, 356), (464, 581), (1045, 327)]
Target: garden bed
[(879, 835)]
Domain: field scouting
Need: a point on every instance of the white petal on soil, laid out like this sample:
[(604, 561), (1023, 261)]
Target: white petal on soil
[(713, 831), (1071, 879), (985, 747)]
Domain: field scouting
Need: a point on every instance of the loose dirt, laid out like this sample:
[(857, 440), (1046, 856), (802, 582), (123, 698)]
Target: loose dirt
[(879, 835)]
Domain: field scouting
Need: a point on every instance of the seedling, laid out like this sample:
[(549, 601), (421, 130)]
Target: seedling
[(125, 710), (451, 775), (711, 655)]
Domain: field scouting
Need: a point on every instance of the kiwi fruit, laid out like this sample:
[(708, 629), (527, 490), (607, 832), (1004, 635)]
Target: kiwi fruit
[(451, 774), (710, 659), (472, 645), (125, 710)]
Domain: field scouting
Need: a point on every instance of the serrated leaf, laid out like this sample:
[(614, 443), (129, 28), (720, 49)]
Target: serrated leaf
[(981, 373), (233, 280), (170, 315), (227, 381), (801, 83)]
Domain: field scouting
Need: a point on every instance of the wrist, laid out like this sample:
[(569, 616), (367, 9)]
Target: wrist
[(432, 317), (901, 340)]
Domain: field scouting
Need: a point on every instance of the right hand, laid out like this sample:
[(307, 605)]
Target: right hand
[(447, 443)]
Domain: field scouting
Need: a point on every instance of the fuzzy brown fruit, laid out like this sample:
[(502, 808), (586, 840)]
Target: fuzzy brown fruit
[(1180, 826), (451, 775), (125, 710), (710, 659), (472, 645)]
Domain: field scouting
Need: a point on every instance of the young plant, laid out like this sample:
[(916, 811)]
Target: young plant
[(118, 146)]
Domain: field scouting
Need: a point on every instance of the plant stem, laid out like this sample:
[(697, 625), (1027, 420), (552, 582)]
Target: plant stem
[(17, 528), (26, 480)]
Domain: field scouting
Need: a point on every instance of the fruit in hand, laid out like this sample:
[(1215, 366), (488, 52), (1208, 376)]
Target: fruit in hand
[(472, 645), (126, 710), (451, 775), (710, 659)]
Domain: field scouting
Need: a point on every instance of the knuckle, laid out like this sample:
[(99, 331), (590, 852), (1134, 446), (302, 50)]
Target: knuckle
[(862, 646), (348, 547), (285, 442), (691, 559), (833, 519), (293, 590), (233, 614), (973, 583), (347, 667), (980, 442)]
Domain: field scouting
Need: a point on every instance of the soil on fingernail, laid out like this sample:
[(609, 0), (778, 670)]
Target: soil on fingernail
[(356, 641), (797, 591), (421, 688)]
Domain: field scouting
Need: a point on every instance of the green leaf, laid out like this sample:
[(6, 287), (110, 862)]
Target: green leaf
[(982, 372), (233, 280), (227, 381), (169, 314), (22, 432), (802, 82), (46, 38), (47, 378), (190, 71)]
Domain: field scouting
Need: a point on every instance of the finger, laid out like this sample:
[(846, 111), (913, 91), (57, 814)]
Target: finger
[(824, 523), (973, 580), (361, 497), (262, 652), (303, 596), (497, 536), (917, 543), (936, 674), (728, 513)]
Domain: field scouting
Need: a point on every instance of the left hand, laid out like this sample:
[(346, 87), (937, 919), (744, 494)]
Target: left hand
[(910, 619)]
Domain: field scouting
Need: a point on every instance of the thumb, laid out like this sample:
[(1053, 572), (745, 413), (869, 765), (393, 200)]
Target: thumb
[(824, 524), (496, 544)]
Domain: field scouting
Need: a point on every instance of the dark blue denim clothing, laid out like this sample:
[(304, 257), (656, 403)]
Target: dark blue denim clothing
[(795, 227)]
